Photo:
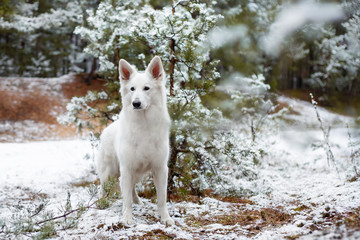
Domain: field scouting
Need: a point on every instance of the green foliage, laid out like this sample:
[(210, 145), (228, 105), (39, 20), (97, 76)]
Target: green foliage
[(46, 231), (111, 193), (7, 8), (103, 203)]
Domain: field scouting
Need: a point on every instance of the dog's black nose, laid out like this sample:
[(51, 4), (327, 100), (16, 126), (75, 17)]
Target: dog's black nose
[(136, 104)]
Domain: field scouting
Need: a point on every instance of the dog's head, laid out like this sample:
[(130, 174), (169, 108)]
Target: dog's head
[(141, 90)]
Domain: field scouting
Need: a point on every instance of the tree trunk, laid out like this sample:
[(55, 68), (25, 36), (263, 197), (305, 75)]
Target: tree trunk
[(353, 87), (173, 152), (117, 59), (172, 163), (172, 58), (172, 66), (92, 71)]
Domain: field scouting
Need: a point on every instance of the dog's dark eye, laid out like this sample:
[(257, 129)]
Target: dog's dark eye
[(132, 89), (146, 88)]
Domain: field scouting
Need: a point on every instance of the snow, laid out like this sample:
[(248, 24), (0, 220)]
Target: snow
[(297, 176), (305, 115), (44, 86), (303, 175), (54, 165)]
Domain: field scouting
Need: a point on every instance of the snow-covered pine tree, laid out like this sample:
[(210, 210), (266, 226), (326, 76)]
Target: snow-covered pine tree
[(206, 150), (337, 66), (36, 37)]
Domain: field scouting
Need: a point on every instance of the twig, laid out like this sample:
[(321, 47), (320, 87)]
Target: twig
[(39, 209), (66, 214), (352, 154), (327, 147)]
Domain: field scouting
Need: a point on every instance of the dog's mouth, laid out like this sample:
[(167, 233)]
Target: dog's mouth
[(139, 109)]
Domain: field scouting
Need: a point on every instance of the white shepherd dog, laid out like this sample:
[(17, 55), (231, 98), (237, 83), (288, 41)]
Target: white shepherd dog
[(138, 141)]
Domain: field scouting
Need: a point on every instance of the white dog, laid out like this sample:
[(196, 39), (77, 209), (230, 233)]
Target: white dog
[(138, 141)]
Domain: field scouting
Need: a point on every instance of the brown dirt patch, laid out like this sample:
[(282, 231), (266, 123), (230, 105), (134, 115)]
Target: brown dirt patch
[(155, 234), (78, 87), (253, 220), (350, 219), (16, 107), (29, 107)]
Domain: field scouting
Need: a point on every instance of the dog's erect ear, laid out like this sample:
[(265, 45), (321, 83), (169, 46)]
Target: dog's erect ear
[(125, 70), (155, 68)]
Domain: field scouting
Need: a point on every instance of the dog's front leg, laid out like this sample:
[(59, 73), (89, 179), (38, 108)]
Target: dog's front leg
[(126, 186), (160, 180)]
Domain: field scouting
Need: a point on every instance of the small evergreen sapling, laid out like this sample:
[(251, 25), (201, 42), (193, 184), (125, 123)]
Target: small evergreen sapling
[(203, 148), (38, 221)]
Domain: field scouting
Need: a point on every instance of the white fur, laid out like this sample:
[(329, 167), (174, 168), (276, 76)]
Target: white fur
[(138, 141)]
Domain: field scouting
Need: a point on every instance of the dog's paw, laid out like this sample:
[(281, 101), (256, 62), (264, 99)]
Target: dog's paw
[(128, 220), (167, 221)]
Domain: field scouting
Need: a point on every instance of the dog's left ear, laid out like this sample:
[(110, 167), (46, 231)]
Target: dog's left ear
[(155, 68)]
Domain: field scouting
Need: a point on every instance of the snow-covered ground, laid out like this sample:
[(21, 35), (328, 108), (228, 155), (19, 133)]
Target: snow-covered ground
[(302, 188)]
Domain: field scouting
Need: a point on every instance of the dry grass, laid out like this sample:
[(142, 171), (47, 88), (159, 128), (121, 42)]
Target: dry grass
[(22, 106), (19, 107), (155, 234), (350, 219), (79, 88), (252, 220), (85, 183)]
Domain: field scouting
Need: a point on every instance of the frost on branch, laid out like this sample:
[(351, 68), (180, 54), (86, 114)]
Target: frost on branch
[(85, 111)]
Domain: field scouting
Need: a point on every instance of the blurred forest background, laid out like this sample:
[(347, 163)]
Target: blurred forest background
[(318, 51), (235, 73)]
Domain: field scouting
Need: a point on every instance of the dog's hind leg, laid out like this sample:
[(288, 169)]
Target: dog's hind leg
[(136, 198), (109, 172)]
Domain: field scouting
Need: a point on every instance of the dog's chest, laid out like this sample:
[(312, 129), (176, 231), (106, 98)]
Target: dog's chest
[(145, 139)]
